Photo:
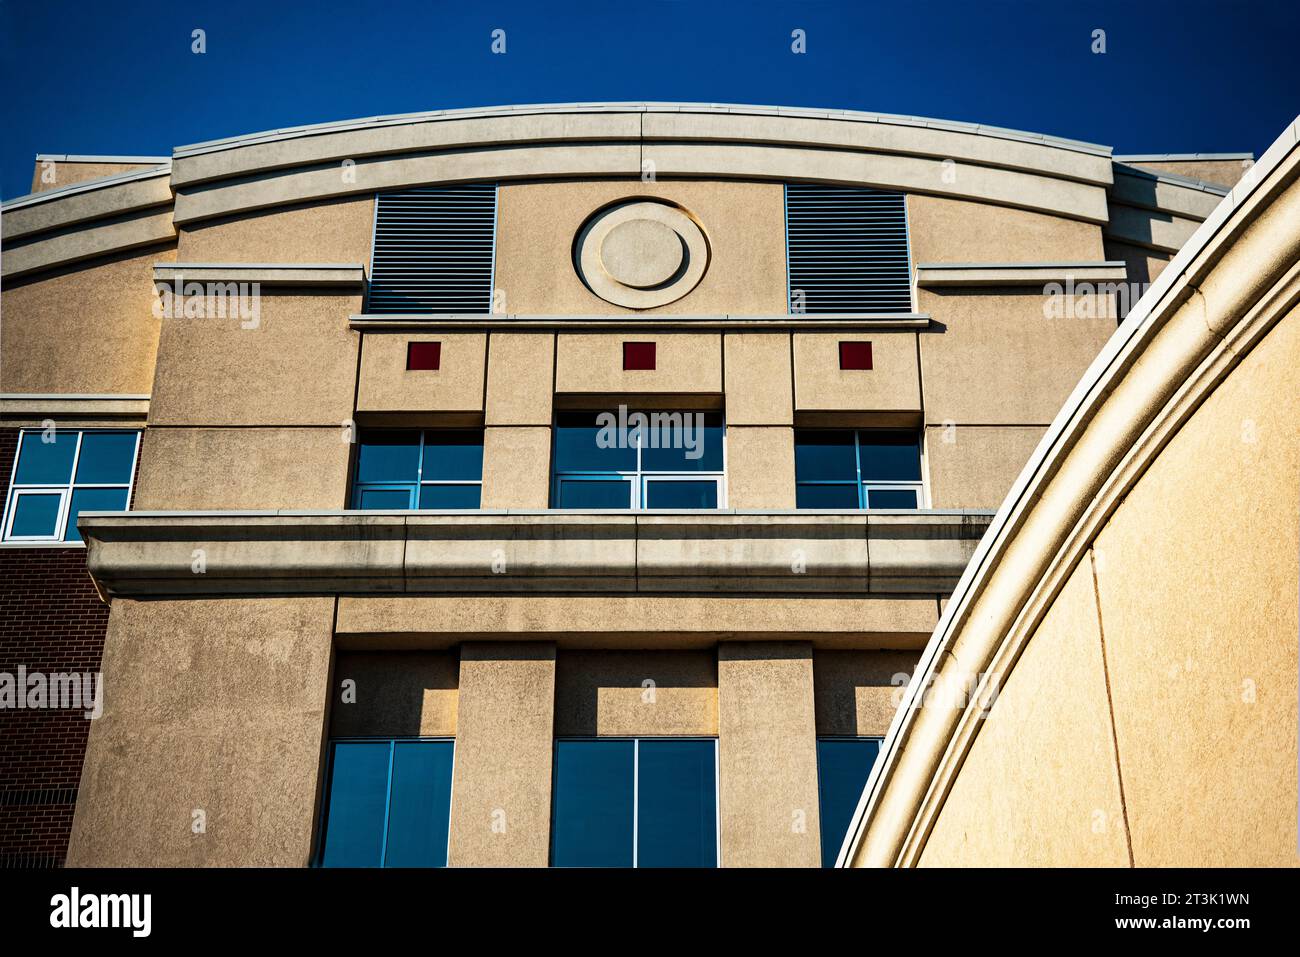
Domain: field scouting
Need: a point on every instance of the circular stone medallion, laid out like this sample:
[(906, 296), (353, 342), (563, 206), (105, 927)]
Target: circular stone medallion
[(641, 254)]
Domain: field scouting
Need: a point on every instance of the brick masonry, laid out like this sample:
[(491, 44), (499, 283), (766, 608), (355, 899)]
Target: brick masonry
[(51, 620)]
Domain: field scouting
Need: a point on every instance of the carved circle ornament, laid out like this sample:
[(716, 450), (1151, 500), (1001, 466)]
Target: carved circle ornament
[(641, 254)]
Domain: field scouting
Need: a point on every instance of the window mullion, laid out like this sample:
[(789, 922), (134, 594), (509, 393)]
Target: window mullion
[(636, 796), (388, 802)]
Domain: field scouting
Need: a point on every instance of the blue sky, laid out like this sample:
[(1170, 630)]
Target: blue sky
[(120, 78)]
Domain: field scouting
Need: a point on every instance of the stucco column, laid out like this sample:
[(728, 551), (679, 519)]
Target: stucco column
[(501, 783), (208, 753), (767, 755)]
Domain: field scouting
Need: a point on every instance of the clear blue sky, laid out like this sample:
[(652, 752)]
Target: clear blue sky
[(120, 77)]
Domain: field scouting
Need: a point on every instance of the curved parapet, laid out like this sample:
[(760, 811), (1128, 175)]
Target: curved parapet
[(1114, 679)]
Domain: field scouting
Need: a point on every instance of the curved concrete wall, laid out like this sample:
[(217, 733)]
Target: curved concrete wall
[(1132, 612)]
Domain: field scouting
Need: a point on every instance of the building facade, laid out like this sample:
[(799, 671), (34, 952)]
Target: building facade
[(563, 485)]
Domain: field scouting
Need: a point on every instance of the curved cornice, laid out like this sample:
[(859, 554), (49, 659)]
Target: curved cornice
[(1219, 296), (283, 167)]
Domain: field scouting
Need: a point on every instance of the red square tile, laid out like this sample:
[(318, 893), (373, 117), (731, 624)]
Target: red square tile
[(855, 355), (638, 355), (423, 355)]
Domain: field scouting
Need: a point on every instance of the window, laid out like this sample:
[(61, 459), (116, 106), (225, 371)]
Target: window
[(388, 803), (408, 468), (863, 469), (57, 475), (638, 460), (843, 765), (640, 802), (434, 250), (846, 249)]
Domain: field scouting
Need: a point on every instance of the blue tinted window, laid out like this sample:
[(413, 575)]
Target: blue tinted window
[(384, 498), (826, 496), (449, 496), (392, 463), (389, 457), (358, 796), (46, 463), (36, 515), (890, 456), (843, 765), (596, 493), (688, 442), (891, 498), (93, 500), (592, 824), (582, 445), (677, 804), (452, 456), (419, 809), (681, 494), (106, 458), (389, 804), (824, 456)]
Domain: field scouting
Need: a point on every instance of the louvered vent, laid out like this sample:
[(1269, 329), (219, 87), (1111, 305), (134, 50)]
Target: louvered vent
[(846, 248), (434, 250)]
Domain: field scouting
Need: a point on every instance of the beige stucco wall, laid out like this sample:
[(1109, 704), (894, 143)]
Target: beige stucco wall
[(501, 786), (516, 466), (890, 385), (760, 466), (759, 372), (294, 364), (995, 359), (328, 231), (669, 621), (394, 694), (593, 363), (962, 231), (54, 174), (1220, 172), (386, 385), (89, 330), (1040, 785), (973, 466), (743, 221), (857, 691), (210, 468), (767, 755), (520, 378), (211, 706), (1197, 589), (633, 693)]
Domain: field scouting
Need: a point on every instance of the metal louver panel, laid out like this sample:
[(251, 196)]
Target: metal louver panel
[(846, 249), (434, 250)]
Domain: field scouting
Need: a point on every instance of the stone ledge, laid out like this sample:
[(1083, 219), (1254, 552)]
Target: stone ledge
[(512, 552), (350, 275), (936, 275)]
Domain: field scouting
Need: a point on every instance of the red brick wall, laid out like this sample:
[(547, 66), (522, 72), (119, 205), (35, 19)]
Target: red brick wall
[(51, 620)]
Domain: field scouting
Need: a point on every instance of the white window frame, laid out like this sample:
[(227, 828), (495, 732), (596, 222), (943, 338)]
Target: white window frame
[(65, 490)]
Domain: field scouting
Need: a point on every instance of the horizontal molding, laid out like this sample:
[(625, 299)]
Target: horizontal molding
[(92, 158), (522, 552), (26, 405), (424, 323), (106, 200), (934, 275), (266, 274), (113, 236), (1180, 157)]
